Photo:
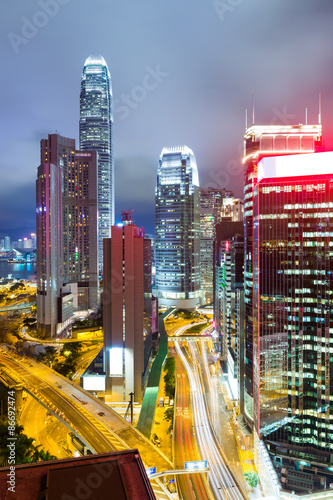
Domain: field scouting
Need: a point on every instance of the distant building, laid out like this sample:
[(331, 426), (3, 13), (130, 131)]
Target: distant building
[(211, 202), (127, 316), (232, 209), (96, 123), (66, 222), (177, 218), (7, 247)]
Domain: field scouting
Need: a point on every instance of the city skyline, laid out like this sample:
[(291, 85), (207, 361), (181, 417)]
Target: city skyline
[(209, 87)]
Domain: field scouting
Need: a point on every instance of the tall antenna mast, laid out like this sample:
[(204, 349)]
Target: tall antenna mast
[(306, 116), (246, 119), (319, 115), (252, 109)]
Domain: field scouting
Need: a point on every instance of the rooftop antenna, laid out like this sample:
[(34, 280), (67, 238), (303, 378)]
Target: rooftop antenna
[(252, 109), (306, 116), (246, 119), (319, 114)]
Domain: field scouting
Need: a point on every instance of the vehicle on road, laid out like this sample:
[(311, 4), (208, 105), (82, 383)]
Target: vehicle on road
[(101, 414), (155, 440), (161, 402)]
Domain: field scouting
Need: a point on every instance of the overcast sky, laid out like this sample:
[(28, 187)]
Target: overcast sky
[(183, 72)]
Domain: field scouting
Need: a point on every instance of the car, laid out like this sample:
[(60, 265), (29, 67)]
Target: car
[(101, 414), (155, 440)]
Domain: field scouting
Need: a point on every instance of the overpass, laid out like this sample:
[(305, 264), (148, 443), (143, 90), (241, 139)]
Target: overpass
[(18, 307), (99, 426)]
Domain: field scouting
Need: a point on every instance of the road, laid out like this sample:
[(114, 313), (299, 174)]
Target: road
[(50, 435), (103, 433), (84, 361), (219, 416), (221, 480), (191, 486)]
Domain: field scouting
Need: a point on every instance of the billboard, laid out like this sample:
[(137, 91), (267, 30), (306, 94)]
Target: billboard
[(116, 361)]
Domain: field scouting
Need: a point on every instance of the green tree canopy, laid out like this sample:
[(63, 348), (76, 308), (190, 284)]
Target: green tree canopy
[(25, 450)]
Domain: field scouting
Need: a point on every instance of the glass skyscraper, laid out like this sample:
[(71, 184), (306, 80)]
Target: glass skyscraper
[(211, 201), (260, 142), (96, 122), (177, 228)]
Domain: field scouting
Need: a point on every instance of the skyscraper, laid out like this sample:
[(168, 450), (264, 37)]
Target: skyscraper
[(96, 122), (127, 304), (261, 142), (66, 222), (177, 228), (288, 287), (211, 201)]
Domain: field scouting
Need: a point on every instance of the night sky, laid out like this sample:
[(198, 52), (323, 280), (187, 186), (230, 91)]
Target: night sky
[(183, 72)]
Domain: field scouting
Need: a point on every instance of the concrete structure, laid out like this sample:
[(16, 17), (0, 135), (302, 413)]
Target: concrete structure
[(177, 219), (127, 305), (96, 122), (66, 222)]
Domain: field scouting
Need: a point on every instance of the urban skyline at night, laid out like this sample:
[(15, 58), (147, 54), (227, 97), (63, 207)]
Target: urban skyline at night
[(166, 260), (211, 94)]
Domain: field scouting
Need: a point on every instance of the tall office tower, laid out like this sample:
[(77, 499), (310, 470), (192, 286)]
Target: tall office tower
[(260, 142), (231, 264), (49, 246), (7, 244), (67, 266), (96, 123), (177, 218), (211, 201), (224, 265), (127, 305), (288, 291)]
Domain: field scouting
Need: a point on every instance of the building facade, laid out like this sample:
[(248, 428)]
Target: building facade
[(96, 123), (66, 222), (292, 282), (177, 218), (211, 202), (127, 317), (261, 142)]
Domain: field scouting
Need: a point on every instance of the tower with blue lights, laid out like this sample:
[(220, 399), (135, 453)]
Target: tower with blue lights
[(177, 228), (96, 122)]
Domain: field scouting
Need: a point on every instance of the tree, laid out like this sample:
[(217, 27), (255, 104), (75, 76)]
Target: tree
[(16, 286), (50, 353), (29, 322), (168, 414), (169, 377), (252, 479), (73, 348), (25, 450)]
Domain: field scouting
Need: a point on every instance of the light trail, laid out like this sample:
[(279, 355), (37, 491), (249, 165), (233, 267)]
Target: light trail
[(221, 480)]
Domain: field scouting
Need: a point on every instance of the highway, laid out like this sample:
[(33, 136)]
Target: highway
[(221, 480), (103, 433), (191, 486), (48, 435)]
